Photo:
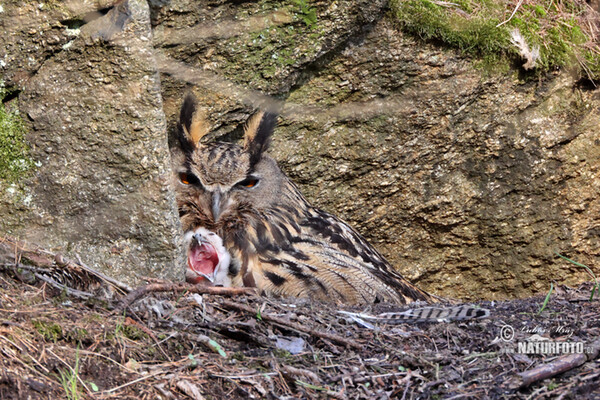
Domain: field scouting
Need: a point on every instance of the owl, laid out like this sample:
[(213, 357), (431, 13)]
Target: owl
[(277, 241), (207, 258)]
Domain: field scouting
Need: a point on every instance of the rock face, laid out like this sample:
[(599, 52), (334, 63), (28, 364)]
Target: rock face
[(468, 182), (98, 136)]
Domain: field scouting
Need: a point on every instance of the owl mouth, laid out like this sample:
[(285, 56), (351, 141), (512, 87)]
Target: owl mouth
[(202, 262)]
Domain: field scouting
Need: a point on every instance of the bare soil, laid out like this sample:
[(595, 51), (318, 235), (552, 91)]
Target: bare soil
[(67, 333)]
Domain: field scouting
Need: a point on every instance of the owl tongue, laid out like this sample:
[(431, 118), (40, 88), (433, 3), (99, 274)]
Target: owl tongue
[(202, 259)]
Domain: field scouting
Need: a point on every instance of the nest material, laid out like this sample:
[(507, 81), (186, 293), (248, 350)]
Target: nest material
[(69, 331)]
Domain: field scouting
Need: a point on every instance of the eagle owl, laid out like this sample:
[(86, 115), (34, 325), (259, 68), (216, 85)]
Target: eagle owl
[(277, 241)]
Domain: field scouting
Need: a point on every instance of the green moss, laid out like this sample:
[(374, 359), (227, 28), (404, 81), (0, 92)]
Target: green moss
[(483, 29), (283, 354), (132, 333), (14, 151), (306, 13), (477, 36), (52, 332), (77, 335), (258, 57)]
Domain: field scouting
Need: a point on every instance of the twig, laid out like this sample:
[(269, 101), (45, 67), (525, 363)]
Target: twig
[(124, 287), (406, 388), (511, 15), (558, 366), (178, 287), (131, 322), (70, 291), (143, 378), (38, 273), (262, 374), (47, 258), (75, 373), (267, 317), (205, 340), (27, 365)]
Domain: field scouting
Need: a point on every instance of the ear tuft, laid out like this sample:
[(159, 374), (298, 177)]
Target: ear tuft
[(257, 134), (192, 126)]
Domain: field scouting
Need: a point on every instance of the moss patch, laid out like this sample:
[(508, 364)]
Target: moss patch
[(561, 30), (264, 55), (14, 151), (52, 332)]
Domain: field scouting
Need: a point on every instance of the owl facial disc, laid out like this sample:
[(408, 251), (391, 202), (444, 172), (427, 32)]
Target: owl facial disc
[(202, 260)]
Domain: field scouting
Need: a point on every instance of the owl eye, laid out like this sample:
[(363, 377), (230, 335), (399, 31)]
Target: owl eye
[(248, 182), (188, 179)]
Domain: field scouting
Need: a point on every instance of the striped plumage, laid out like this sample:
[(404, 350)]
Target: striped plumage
[(424, 314), (277, 241)]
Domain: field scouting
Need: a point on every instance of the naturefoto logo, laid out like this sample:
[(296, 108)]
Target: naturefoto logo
[(539, 342)]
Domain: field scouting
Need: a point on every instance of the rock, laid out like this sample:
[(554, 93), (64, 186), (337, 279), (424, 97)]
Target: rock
[(468, 184), (97, 132), (34, 31), (242, 51)]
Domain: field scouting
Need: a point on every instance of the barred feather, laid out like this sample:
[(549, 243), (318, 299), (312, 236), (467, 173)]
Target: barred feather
[(278, 242), (425, 314)]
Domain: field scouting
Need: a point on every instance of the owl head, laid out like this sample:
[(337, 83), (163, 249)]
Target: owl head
[(220, 180)]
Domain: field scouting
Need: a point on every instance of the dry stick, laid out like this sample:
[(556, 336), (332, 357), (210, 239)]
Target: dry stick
[(124, 287), (152, 375), (267, 317), (511, 15), (178, 287), (36, 272), (560, 365), (147, 331), (59, 260)]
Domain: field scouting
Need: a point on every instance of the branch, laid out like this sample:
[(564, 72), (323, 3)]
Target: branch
[(560, 365), (511, 15), (302, 328), (178, 287)]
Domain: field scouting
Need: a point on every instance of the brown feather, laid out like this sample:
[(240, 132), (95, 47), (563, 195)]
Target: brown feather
[(277, 241), (198, 129), (251, 129)]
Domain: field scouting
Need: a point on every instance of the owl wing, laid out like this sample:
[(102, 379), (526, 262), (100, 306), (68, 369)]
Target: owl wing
[(318, 255)]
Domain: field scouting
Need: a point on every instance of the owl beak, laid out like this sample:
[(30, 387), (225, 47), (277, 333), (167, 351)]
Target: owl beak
[(200, 239), (197, 277)]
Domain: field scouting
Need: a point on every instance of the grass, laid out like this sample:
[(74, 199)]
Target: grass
[(563, 31), (14, 151), (596, 286), (547, 299), (68, 379)]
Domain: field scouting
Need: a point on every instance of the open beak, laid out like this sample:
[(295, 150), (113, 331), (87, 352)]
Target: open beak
[(202, 260)]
